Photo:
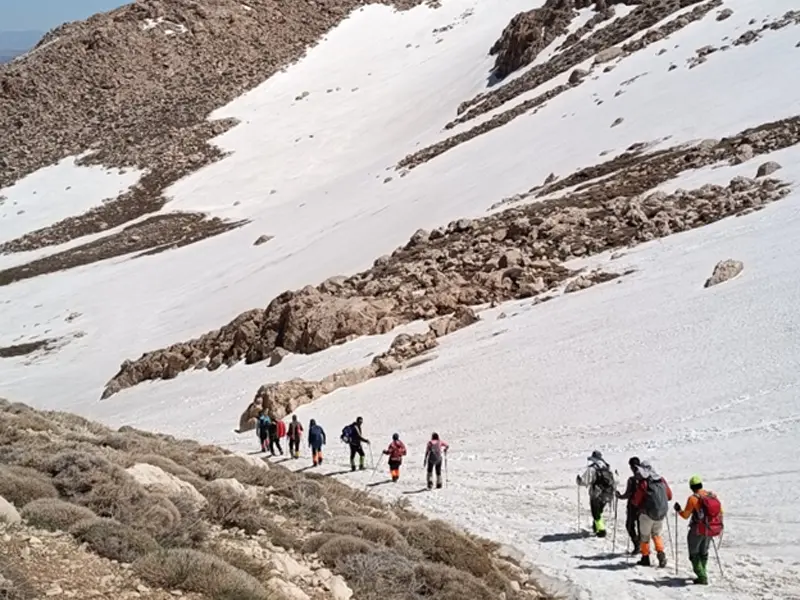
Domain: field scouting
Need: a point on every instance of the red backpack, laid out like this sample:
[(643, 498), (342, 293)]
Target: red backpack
[(281, 429), (709, 516)]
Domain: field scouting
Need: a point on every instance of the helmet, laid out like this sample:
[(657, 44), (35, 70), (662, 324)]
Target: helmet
[(634, 461), (695, 480), (395, 436)]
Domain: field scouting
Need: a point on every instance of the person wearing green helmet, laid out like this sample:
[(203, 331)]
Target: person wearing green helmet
[(705, 511)]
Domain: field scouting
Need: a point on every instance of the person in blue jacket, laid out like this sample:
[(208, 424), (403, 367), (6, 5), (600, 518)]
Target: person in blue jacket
[(316, 439), (262, 430)]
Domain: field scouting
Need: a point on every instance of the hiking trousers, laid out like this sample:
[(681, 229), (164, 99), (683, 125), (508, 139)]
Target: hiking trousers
[(650, 528), (356, 449), (316, 453), (434, 467), (294, 447), (274, 441), (698, 554)]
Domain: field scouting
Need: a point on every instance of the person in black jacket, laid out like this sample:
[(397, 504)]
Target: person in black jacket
[(632, 513), (274, 439), (355, 439)]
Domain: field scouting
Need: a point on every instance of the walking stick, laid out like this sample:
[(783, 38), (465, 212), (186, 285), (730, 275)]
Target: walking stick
[(676, 543), (371, 460), (446, 478), (375, 470), (616, 507), (578, 489), (716, 553), (673, 546)]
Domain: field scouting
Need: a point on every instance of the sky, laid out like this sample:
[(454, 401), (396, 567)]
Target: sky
[(42, 15)]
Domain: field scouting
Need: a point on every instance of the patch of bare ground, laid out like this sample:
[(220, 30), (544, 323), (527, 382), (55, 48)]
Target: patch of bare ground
[(128, 514), (513, 254), (150, 236), (135, 86), (646, 15), (25, 348)]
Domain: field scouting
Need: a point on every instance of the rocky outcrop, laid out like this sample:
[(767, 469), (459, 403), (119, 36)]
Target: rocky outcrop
[(724, 271), (583, 282), (155, 479), (282, 398), (514, 254), (767, 168), (8, 512)]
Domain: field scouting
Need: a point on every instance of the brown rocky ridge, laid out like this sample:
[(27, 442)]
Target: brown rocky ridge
[(601, 45), (512, 254), (87, 512), (135, 86)]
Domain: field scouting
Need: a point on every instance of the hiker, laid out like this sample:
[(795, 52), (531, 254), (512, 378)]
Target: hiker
[(262, 430), (600, 481), (631, 512), (351, 435), (316, 439), (651, 498), (705, 511), (433, 459), (274, 435), (396, 451), (295, 434)]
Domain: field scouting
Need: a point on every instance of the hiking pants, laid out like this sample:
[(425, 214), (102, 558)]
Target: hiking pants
[(438, 467), (294, 446), (394, 469), (698, 554), (650, 528), (632, 525), (275, 441), (356, 449), (262, 435), (316, 453)]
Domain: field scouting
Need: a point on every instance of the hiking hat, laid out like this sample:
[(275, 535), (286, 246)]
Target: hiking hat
[(695, 480), (596, 455)]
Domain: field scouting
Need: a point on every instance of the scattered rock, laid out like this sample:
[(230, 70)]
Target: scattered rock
[(286, 590), (617, 121), (263, 239), (724, 271), (277, 355), (8, 513), (577, 76), (339, 588), (155, 479), (767, 168), (724, 14), (608, 54)]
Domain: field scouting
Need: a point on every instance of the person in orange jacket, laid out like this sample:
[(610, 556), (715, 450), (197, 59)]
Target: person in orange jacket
[(651, 499), (705, 511), (396, 451)]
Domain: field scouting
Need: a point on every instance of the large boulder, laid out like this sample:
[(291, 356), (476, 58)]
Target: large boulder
[(463, 317), (155, 479), (724, 271)]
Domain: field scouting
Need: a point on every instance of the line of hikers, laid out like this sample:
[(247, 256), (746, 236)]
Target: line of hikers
[(648, 495), (270, 431)]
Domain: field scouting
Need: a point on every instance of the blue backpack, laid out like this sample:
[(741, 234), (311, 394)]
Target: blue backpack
[(348, 434)]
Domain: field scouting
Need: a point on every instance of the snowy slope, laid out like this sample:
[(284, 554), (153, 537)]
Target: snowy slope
[(695, 380)]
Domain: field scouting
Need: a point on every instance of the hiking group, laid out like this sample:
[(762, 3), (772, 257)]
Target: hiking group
[(270, 431), (648, 496)]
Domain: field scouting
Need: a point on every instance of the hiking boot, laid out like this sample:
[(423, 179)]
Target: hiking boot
[(352, 467), (438, 486), (644, 561), (601, 533), (700, 581), (361, 467), (636, 550), (662, 559)]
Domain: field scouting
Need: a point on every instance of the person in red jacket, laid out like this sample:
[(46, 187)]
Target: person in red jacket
[(651, 499), (396, 451)]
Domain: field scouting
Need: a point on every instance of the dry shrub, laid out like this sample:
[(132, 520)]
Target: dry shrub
[(199, 572), (315, 542), (13, 583), (76, 473), (236, 467), (230, 509), (20, 485), (281, 536), (440, 543), (76, 423), (340, 546), (54, 514), (446, 583), (111, 539), (241, 560), (380, 575), (367, 528)]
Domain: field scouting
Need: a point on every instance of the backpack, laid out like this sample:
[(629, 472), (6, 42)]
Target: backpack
[(281, 429), (656, 503), (604, 480), (709, 516), (348, 434)]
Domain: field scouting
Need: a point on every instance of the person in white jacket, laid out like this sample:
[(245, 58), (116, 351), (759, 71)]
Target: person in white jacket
[(600, 481)]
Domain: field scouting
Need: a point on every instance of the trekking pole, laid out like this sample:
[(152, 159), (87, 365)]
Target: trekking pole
[(371, 460), (614, 542), (578, 489), (375, 470), (716, 553), (669, 535), (676, 542), (446, 478)]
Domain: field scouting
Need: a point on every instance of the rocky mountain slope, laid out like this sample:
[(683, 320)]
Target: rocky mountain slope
[(87, 512)]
